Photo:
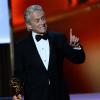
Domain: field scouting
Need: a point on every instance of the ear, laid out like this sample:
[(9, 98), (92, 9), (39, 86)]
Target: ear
[(29, 26)]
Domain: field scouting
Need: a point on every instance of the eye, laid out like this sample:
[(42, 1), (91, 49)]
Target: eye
[(43, 18), (36, 20)]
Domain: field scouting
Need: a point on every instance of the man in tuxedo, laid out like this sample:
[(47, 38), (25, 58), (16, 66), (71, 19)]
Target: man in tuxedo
[(39, 58)]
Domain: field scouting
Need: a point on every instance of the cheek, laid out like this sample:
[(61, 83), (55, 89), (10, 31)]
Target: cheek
[(35, 27)]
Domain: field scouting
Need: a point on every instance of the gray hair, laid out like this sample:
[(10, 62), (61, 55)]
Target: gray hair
[(31, 9)]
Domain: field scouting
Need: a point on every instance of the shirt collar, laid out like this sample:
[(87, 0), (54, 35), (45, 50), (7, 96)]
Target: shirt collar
[(33, 35)]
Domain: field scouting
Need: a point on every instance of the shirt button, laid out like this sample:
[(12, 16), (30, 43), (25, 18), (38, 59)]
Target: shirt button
[(49, 81)]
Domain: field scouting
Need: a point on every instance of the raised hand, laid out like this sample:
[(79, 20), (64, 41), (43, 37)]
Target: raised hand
[(74, 41)]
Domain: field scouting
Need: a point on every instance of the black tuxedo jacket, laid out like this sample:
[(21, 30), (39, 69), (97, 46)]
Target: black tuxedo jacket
[(30, 69)]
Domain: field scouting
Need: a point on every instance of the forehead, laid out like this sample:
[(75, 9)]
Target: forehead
[(37, 14)]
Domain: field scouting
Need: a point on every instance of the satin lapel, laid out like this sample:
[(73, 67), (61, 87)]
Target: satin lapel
[(51, 43)]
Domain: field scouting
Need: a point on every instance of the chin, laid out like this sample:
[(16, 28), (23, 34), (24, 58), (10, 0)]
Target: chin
[(42, 32)]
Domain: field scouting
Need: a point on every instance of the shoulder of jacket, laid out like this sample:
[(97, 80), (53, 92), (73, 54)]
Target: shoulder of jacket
[(22, 42), (56, 34)]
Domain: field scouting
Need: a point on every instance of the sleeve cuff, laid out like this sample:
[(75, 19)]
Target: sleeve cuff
[(77, 48)]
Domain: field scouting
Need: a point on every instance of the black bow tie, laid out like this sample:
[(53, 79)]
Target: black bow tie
[(39, 37)]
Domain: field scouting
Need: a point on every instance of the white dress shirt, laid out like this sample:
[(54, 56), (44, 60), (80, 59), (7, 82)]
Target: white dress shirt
[(43, 50)]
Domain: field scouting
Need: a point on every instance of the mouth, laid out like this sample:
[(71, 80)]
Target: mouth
[(43, 27)]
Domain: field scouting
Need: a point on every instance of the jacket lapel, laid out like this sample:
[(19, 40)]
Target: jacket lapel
[(52, 54)]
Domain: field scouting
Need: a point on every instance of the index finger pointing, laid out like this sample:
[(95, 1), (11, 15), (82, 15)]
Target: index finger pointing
[(70, 31)]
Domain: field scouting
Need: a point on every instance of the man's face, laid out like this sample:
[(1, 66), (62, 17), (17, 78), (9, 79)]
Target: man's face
[(38, 22)]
